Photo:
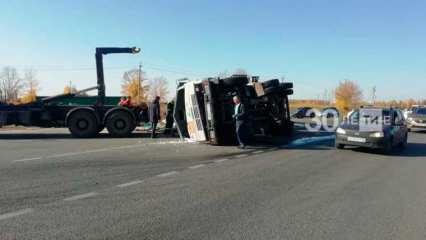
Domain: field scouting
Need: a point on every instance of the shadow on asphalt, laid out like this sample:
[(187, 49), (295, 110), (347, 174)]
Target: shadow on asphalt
[(412, 150), (29, 136)]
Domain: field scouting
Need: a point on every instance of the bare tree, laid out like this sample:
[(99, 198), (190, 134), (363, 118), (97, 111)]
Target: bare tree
[(11, 84), (158, 87)]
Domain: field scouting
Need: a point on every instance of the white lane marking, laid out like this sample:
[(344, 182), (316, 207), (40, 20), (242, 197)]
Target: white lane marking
[(15, 214), (129, 184), (259, 151), (27, 159), (78, 153), (167, 174), (197, 166), (241, 155), (221, 160), (81, 196), (97, 150)]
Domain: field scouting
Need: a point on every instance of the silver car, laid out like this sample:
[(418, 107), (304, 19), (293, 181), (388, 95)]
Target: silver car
[(416, 119)]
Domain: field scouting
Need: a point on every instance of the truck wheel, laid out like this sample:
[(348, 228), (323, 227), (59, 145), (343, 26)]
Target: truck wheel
[(286, 85), (83, 124), (271, 83), (120, 124), (235, 81), (288, 91), (272, 90)]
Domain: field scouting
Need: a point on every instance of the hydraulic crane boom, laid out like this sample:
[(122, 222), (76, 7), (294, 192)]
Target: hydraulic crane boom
[(100, 68)]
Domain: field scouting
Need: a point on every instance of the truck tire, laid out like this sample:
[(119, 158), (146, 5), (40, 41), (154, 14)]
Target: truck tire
[(235, 81), (272, 90), (288, 91), (83, 124), (271, 83), (120, 124), (286, 85)]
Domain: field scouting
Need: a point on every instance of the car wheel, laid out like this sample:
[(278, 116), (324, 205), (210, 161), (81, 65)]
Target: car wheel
[(339, 145)]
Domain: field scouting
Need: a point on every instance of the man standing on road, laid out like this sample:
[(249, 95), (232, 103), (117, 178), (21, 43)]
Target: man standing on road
[(154, 114), (240, 116)]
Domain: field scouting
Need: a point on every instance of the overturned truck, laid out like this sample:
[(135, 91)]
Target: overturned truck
[(204, 109)]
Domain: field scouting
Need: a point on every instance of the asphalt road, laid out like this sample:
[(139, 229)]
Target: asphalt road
[(56, 187)]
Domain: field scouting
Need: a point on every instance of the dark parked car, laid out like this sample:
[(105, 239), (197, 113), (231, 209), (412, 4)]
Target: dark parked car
[(304, 112), (382, 128), (416, 119)]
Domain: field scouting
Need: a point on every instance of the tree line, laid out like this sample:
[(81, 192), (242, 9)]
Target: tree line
[(22, 87), (348, 95), (18, 88)]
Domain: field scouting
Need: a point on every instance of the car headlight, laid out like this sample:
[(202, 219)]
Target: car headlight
[(340, 131), (377, 134)]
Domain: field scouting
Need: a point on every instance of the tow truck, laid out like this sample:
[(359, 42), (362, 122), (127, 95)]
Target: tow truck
[(82, 121), (203, 109)]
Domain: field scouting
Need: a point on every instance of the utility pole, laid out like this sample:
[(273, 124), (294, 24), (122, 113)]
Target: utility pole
[(139, 82), (373, 95)]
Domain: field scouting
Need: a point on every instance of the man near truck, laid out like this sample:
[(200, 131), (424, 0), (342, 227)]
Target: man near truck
[(154, 115), (240, 117)]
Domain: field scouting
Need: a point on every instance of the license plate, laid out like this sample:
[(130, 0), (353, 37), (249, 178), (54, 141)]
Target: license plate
[(356, 139)]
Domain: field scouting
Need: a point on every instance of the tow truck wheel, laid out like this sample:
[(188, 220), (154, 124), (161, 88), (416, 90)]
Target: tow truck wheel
[(83, 124), (120, 124)]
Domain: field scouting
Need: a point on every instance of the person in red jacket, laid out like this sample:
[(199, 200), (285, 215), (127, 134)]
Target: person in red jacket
[(125, 102)]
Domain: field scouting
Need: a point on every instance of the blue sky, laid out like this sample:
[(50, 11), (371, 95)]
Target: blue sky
[(312, 43)]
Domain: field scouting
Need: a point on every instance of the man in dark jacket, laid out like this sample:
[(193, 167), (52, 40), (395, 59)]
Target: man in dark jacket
[(154, 114), (240, 117)]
